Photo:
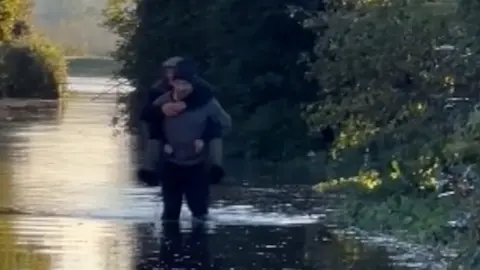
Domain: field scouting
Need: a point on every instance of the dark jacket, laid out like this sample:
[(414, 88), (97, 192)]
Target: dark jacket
[(201, 95), (152, 116), (182, 130)]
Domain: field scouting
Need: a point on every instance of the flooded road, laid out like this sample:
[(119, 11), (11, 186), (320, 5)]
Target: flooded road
[(68, 201)]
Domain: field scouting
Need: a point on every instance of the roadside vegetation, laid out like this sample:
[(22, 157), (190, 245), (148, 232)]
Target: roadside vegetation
[(30, 65), (387, 90)]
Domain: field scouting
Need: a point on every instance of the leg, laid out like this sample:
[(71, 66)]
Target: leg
[(215, 160), (149, 172), (172, 192), (215, 152), (197, 190), (213, 137), (152, 154)]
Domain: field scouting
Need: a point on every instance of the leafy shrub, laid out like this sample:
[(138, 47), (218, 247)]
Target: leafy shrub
[(388, 93), (365, 182), (32, 67)]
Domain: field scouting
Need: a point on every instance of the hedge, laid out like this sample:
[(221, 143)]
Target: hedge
[(32, 67)]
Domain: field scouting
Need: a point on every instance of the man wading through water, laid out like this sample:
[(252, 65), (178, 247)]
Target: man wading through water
[(191, 113), (151, 171)]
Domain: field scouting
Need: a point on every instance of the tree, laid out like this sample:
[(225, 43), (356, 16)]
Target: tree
[(9, 14), (388, 92), (253, 60), (30, 66)]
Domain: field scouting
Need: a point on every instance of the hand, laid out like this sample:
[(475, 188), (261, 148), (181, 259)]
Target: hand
[(199, 144), (173, 108), (167, 148)]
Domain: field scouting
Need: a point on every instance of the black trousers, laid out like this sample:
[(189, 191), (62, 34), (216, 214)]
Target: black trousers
[(190, 181)]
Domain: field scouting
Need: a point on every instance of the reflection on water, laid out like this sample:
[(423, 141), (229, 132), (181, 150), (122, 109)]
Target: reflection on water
[(67, 182), (55, 243), (73, 244), (71, 161), (97, 85)]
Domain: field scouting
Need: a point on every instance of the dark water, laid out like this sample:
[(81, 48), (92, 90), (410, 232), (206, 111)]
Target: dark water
[(69, 202)]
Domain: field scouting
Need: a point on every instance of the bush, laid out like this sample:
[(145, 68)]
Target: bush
[(390, 94), (32, 67), (406, 99)]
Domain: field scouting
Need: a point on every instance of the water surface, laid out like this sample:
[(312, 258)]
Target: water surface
[(69, 201)]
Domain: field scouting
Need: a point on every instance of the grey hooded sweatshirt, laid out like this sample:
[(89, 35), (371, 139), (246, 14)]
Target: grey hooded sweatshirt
[(182, 130)]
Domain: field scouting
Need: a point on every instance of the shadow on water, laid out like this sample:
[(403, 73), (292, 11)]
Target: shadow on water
[(252, 247), (68, 201)]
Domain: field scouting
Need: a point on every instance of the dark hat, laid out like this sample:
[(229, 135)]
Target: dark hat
[(185, 70)]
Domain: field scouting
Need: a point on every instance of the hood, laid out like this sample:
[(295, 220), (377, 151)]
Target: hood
[(202, 91), (185, 69)]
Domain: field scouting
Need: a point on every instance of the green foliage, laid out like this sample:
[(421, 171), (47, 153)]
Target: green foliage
[(252, 60), (387, 71), (32, 67), (365, 182), (120, 17), (9, 14), (419, 219), (391, 94), (387, 92), (463, 149), (464, 144)]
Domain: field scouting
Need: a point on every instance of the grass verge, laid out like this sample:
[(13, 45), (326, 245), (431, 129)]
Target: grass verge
[(418, 217)]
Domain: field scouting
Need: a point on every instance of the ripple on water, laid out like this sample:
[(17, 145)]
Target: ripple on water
[(143, 205), (402, 253), (98, 85), (65, 243)]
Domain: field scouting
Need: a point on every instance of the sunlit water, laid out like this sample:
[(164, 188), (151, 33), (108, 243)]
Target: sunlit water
[(69, 201)]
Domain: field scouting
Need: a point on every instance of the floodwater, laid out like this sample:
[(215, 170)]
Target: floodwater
[(69, 201)]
